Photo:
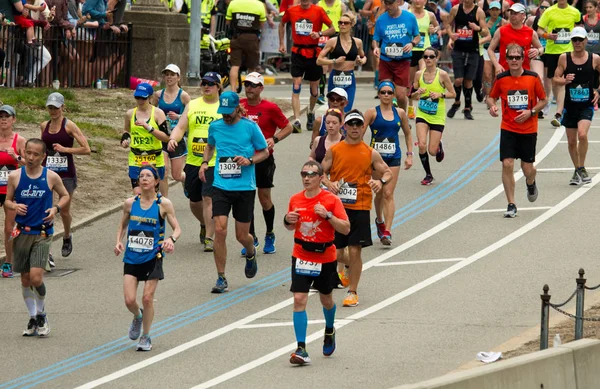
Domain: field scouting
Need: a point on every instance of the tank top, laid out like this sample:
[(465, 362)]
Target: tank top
[(523, 37), (580, 93), (176, 106), (468, 40), (492, 31), (423, 24), (384, 135), (8, 164), (145, 148), (338, 51), (432, 111), (320, 150), (200, 115), (323, 128), (36, 194), (352, 163), (334, 12), (145, 233), (63, 164), (373, 17), (593, 30)]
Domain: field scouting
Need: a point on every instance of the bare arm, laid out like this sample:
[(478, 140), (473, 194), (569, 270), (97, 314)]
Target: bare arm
[(161, 118), (179, 131), (407, 137), (491, 51), (122, 230), (75, 132), (380, 167), (315, 129), (127, 128), (168, 212), (322, 60), (56, 185), (282, 37), (559, 72), (448, 84)]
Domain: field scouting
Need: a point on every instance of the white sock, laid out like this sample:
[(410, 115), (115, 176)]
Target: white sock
[(29, 298), (40, 300)]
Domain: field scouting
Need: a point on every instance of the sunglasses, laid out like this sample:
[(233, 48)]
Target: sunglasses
[(334, 110), (514, 57), (429, 56), (354, 123), (386, 92), (543, 7), (249, 84), (343, 23), (577, 39), (309, 174), (336, 99), (208, 83), (141, 98)]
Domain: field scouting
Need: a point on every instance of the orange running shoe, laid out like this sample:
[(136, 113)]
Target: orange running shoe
[(411, 112), (351, 300), (344, 278)]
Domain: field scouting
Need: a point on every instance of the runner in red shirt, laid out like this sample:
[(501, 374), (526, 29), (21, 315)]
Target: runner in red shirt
[(314, 215), (269, 118)]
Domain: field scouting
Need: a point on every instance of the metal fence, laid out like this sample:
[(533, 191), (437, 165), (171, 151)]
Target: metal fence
[(91, 55)]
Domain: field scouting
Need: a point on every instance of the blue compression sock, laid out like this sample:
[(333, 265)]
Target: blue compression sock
[(300, 324), (329, 316)]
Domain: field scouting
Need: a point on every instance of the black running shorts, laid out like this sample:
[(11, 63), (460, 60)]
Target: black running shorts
[(324, 282), (240, 201), (517, 146), (360, 230)]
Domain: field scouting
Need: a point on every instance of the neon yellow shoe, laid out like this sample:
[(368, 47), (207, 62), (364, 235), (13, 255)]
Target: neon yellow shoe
[(411, 112)]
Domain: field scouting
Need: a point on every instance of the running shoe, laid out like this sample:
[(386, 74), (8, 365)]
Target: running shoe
[(7, 271), (297, 127), (452, 111), (310, 120), (299, 357), (532, 192), (221, 286), (427, 180), (439, 155), (576, 179), (546, 110), (256, 245), (540, 115), (556, 120), (386, 240), (380, 228), (269, 247), (51, 260), (411, 112), (135, 328), (351, 299), (395, 102), (209, 245), (467, 113), (145, 344), (43, 327), (344, 278), (337, 282), (329, 343), (511, 211), (585, 177), (251, 266), (31, 329), (67, 246), (321, 100), (480, 96), (202, 233)]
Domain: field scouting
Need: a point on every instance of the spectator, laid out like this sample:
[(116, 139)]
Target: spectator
[(96, 10), (38, 56)]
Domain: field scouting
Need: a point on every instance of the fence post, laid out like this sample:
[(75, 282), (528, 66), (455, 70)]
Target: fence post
[(545, 318), (579, 305)]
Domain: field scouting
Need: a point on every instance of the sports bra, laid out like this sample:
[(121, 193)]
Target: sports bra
[(338, 51)]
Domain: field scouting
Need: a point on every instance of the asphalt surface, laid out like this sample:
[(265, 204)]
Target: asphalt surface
[(458, 279)]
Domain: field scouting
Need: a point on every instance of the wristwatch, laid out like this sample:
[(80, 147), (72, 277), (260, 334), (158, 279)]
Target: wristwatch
[(57, 209), (329, 215), (533, 112), (409, 153), (251, 161), (383, 182), (173, 239), (320, 33), (275, 139)]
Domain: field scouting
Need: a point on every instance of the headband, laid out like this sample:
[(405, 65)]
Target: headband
[(152, 170), (386, 83)]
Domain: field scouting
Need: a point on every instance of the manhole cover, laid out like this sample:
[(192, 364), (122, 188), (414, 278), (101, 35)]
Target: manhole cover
[(59, 272)]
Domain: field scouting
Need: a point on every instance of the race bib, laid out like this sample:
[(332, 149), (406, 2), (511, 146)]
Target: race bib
[(543, 42), (564, 36), (428, 106), (307, 268), (342, 79), (57, 163), (394, 50), (4, 177), (465, 34), (434, 40), (348, 193), (593, 38), (228, 168), (139, 242), (304, 27), (421, 43), (323, 40), (198, 146), (385, 146), (579, 93), (517, 99), (144, 158)]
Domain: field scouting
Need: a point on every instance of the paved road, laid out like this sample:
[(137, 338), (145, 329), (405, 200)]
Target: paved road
[(458, 279)]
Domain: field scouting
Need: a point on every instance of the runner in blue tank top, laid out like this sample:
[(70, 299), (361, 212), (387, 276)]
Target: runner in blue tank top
[(385, 122), (29, 193), (144, 223)]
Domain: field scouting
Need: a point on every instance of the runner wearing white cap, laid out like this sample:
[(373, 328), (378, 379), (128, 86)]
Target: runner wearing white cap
[(336, 98)]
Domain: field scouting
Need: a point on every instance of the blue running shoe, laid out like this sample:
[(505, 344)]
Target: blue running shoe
[(329, 343), (256, 245), (7, 271), (221, 286), (251, 266), (269, 244), (299, 357)]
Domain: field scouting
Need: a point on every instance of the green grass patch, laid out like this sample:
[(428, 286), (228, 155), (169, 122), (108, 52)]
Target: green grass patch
[(98, 130), (33, 97)]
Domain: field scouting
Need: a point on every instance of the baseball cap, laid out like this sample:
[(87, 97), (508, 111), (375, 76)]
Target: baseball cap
[(143, 90), (255, 78), (56, 100), (212, 77), (228, 102), (354, 116), (579, 32), (389, 1), (173, 68), (8, 109), (517, 7), (495, 4), (339, 92)]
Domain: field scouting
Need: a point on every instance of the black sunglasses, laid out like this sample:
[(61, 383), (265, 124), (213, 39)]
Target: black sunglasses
[(514, 57), (336, 99), (543, 7), (354, 123), (429, 56), (309, 174), (141, 98), (208, 83), (577, 39), (249, 84), (343, 23), (386, 92)]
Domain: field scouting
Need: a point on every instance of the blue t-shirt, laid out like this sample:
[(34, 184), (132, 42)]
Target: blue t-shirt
[(394, 33), (241, 139)]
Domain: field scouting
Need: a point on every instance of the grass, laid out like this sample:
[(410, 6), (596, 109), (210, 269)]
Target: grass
[(98, 130), (35, 98)]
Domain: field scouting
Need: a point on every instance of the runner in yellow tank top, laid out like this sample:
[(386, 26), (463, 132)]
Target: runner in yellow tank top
[(144, 135), (334, 9), (430, 87)]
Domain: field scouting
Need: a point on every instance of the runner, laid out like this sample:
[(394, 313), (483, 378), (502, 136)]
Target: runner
[(196, 118), (351, 165), (12, 146), (241, 144), (336, 98), (144, 223), (145, 135), (522, 97), (334, 10), (396, 35), (58, 135), (385, 122), (269, 118), (344, 53), (315, 216), (430, 87), (29, 193), (306, 21), (469, 23), (494, 21), (172, 100), (577, 71), (555, 26), (537, 63), (333, 120)]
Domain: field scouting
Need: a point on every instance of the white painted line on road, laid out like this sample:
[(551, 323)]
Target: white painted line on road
[(504, 209), (289, 324), (563, 169), (589, 141), (419, 262), (274, 308)]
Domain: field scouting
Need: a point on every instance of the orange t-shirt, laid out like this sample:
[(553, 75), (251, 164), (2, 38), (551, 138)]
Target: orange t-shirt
[(352, 162), (516, 94), (312, 227)]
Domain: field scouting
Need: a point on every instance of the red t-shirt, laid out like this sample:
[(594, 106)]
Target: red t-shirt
[(312, 227), (305, 21), (521, 37), (267, 115), (516, 94)]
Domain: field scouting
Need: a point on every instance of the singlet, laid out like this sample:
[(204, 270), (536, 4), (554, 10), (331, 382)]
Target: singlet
[(323, 128), (145, 148), (200, 115), (334, 12), (320, 150), (176, 106), (145, 232), (352, 163), (373, 16), (8, 164), (523, 37), (579, 93), (432, 111), (593, 30), (338, 51), (36, 194), (62, 164), (468, 40), (423, 24), (384, 135), (492, 31)]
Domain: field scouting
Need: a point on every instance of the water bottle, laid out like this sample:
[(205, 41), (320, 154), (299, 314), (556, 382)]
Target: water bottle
[(557, 341), (99, 84)]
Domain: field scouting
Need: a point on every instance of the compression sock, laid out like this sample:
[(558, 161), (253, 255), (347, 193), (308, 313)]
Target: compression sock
[(329, 318), (29, 298), (322, 84), (458, 90), (300, 324), (40, 297), (269, 218), (468, 95), (425, 162)]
